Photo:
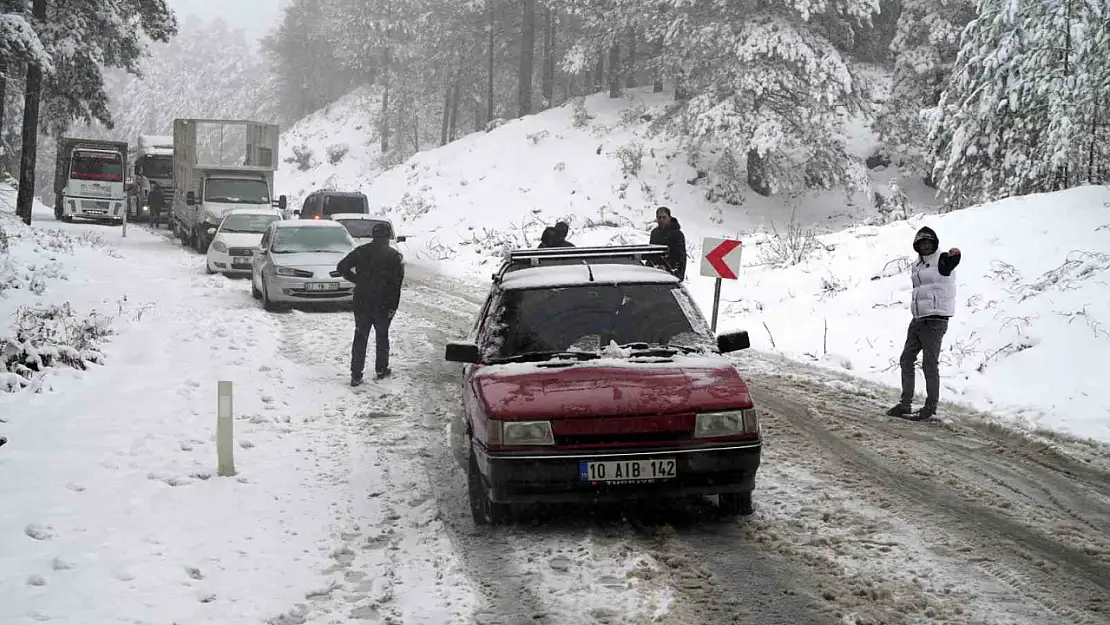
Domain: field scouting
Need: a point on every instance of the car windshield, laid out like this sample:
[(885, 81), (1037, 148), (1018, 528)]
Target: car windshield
[(363, 228), (589, 318), (96, 166), (247, 223), (236, 191), (158, 166), (336, 204), (311, 239)]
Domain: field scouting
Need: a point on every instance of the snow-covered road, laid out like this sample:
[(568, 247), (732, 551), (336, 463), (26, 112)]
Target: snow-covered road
[(350, 505)]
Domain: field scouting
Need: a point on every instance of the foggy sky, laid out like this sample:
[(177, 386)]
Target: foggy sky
[(256, 17)]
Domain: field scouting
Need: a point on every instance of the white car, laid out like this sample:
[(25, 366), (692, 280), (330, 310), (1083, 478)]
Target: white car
[(296, 264), (360, 225), (237, 239)]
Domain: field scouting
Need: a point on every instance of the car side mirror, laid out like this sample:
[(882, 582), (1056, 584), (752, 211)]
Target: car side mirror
[(733, 342), (466, 353), (402, 239), (190, 198), (211, 232), (283, 201)]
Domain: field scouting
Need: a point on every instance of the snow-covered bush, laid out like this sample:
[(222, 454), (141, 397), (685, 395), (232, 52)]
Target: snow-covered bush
[(302, 156), (337, 152), (49, 336), (792, 247), (413, 206), (536, 137), (729, 182), (631, 156)]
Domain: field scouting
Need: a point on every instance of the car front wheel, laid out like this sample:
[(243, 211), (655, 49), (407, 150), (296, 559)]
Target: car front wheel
[(484, 509)]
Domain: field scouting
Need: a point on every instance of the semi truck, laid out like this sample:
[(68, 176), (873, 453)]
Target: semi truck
[(89, 180), (153, 167), (220, 165)]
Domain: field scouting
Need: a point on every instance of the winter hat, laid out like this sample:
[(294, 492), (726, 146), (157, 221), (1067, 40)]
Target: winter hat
[(380, 231), (563, 227), (925, 234)]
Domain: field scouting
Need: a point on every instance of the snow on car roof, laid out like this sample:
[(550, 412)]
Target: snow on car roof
[(579, 275), (309, 223), (255, 211)]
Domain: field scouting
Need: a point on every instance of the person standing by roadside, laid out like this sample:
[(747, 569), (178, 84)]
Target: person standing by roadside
[(668, 232), (556, 236), (932, 304), (377, 271)]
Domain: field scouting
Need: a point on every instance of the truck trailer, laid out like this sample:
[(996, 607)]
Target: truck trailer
[(218, 166), (89, 180)]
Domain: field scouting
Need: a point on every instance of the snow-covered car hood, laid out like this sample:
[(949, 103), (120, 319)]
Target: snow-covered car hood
[(239, 239), (219, 210)]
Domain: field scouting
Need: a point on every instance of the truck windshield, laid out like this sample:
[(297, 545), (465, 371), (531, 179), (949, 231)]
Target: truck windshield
[(96, 166), (236, 191), (335, 204), (588, 318), (247, 223), (158, 167), (311, 239)]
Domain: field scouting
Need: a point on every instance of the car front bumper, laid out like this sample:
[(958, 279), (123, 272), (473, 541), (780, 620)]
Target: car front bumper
[(532, 477), (225, 263), (294, 290)]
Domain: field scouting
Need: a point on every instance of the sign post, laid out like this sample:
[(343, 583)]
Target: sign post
[(126, 207), (720, 259)]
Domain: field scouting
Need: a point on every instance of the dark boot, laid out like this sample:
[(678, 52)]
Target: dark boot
[(356, 380), (900, 410), (384, 373)]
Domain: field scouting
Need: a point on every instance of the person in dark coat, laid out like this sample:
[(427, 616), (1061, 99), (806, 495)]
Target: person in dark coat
[(156, 199), (556, 236), (377, 271), (932, 304), (669, 232)]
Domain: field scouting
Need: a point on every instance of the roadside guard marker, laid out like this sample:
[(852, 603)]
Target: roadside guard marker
[(224, 430), (720, 260)]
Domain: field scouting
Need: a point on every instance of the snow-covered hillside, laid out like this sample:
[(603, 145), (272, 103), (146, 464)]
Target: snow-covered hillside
[(594, 164)]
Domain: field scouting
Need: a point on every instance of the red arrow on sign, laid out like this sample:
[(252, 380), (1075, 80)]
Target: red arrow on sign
[(717, 258)]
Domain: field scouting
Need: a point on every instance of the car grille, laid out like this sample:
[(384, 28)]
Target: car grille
[(95, 205), (627, 438), (240, 251)]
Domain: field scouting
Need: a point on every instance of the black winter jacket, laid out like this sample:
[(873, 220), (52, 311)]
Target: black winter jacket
[(675, 240), (377, 271)]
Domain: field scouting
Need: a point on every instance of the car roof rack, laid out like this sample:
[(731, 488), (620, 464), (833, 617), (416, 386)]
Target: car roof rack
[(610, 255)]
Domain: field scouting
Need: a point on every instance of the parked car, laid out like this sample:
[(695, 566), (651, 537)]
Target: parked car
[(321, 204), (296, 261), (237, 239), (590, 375)]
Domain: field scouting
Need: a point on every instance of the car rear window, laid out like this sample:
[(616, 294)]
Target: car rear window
[(589, 317), (363, 228), (335, 204)]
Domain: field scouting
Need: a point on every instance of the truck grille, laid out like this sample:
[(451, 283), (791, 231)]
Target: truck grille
[(240, 251)]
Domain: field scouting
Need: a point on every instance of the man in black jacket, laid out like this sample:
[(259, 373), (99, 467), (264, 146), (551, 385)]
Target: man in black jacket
[(556, 236), (377, 271), (668, 232)]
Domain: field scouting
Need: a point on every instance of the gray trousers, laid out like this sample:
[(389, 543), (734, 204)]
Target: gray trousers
[(924, 336)]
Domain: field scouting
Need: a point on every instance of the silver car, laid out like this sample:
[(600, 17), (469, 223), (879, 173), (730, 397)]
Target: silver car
[(296, 264)]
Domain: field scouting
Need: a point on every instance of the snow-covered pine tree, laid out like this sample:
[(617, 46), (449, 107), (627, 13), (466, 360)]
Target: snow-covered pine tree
[(925, 46), (762, 78), (1023, 110)]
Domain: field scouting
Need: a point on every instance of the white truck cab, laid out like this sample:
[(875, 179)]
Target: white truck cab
[(89, 180)]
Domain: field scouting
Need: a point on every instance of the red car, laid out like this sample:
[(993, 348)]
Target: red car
[(591, 375)]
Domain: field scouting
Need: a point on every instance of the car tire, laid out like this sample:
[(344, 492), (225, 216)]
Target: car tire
[(255, 293), (208, 268), (735, 504), (267, 304), (484, 509)]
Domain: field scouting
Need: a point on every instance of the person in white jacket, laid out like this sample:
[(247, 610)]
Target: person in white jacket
[(932, 304)]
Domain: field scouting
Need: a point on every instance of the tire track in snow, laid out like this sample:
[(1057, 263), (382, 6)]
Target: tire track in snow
[(1036, 527)]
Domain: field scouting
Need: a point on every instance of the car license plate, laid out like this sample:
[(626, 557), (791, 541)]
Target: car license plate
[(322, 286), (240, 261), (628, 470)]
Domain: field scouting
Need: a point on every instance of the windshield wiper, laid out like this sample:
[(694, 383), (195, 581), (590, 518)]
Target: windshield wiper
[(641, 348), (540, 356)]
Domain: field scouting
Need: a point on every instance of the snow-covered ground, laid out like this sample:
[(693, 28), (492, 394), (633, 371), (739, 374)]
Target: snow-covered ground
[(1032, 282)]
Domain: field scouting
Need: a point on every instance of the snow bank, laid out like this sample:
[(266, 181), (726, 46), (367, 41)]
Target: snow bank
[(1032, 328)]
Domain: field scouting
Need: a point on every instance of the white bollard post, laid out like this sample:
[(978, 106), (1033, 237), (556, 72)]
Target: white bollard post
[(224, 431), (125, 208)]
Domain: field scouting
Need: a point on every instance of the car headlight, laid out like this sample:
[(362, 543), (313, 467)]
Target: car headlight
[(730, 423), (295, 273), (220, 247), (146, 207), (526, 433)]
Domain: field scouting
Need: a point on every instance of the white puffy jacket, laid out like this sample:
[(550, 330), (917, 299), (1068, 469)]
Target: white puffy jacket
[(934, 294)]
